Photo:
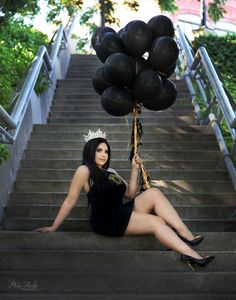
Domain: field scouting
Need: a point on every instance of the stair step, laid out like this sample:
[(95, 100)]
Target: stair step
[(82, 211), (178, 129), (118, 282), (95, 101), (182, 99), (106, 261), (124, 154), (119, 120), (68, 90), (177, 198), (18, 224), (76, 111), (67, 174), (123, 136), (87, 241), (150, 145), (84, 105), (181, 186), (120, 296), (124, 163)]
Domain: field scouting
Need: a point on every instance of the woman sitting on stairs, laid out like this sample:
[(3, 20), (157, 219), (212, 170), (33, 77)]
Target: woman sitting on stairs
[(110, 216)]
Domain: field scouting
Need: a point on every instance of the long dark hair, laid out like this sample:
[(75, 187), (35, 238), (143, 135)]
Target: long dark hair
[(89, 152)]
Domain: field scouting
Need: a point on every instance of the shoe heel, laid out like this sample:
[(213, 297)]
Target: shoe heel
[(195, 261), (190, 266)]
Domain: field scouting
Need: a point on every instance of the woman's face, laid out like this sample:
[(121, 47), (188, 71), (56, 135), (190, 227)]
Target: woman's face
[(101, 155)]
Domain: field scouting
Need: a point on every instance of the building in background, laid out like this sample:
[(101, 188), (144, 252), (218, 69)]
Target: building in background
[(189, 16)]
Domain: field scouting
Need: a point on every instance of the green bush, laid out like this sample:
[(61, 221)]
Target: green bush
[(222, 51), (4, 155), (18, 45)]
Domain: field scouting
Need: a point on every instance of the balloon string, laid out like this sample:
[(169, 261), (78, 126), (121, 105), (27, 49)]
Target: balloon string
[(144, 172), (135, 111)]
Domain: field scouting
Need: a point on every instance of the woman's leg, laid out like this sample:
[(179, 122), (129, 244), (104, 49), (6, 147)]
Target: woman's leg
[(154, 200), (143, 223)]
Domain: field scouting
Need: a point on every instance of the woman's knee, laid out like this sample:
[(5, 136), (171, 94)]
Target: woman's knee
[(160, 220), (156, 191), (153, 191), (155, 221)]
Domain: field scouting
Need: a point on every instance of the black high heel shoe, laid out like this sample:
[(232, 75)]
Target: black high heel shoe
[(197, 240), (202, 262)]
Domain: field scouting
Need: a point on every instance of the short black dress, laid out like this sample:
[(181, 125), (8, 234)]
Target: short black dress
[(109, 215)]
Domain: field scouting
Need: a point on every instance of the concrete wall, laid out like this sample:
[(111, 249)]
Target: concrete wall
[(36, 113)]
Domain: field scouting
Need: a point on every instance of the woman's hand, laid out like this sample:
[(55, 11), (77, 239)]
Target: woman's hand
[(136, 161), (45, 229)]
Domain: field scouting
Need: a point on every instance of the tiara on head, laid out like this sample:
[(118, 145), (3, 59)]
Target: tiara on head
[(94, 134)]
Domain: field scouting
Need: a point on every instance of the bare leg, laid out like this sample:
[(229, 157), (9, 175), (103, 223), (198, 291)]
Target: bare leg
[(143, 223), (153, 199)]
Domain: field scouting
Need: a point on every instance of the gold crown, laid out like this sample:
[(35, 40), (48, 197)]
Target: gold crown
[(94, 134)]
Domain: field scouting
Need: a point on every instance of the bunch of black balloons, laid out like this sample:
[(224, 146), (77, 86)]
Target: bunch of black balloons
[(137, 63)]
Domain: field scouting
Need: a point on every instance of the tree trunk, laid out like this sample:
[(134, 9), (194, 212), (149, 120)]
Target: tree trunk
[(204, 13), (102, 2)]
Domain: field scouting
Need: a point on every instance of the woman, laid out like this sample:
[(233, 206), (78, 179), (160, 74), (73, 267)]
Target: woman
[(148, 213)]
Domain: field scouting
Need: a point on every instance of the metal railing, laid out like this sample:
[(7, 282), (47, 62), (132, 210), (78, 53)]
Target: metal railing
[(27, 108), (11, 123), (210, 99)]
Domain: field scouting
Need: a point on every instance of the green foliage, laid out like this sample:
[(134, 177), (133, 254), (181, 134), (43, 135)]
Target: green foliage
[(18, 46), (109, 12), (132, 4), (4, 155), (22, 7), (167, 5), (57, 6), (216, 10), (222, 50)]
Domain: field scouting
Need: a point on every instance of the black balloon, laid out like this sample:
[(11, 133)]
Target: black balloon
[(121, 32), (165, 99), (98, 34), (169, 71), (119, 69), (164, 53), (108, 44), (136, 37), (161, 26), (117, 101), (141, 64), (147, 85), (100, 82)]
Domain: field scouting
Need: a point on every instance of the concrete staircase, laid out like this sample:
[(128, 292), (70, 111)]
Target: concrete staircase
[(75, 263)]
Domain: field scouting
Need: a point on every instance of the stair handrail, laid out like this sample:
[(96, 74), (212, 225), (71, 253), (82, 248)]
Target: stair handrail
[(216, 84), (199, 70), (13, 121)]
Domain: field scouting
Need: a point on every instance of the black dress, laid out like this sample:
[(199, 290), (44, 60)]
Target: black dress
[(109, 216)]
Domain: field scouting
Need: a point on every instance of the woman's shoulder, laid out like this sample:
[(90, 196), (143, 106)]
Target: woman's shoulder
[(111, 170), (83, 170)]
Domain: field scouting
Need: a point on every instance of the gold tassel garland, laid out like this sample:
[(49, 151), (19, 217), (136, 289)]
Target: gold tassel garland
[(144, 174)]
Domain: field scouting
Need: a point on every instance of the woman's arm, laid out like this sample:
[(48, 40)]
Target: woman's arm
[(79, 180), (132, 187)]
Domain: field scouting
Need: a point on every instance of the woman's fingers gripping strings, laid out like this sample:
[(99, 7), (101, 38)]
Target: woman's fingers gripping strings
[(136, 161)]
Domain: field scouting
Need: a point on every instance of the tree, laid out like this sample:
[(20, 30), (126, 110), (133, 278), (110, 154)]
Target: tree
[(216, 10), (23, 7), (30, 8)]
